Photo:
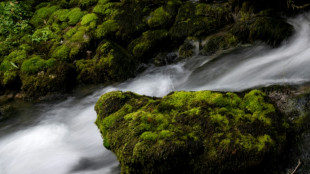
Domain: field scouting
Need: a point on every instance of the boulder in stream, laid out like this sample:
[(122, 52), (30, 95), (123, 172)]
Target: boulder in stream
[(192, 132)]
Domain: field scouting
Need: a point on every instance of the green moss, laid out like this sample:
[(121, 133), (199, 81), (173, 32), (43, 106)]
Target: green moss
[(9, 77), (106, 28), (90, 19), (148, 43), (41, 16), (199, 19), (106, 9), (7, 66), (42, 35), (33, 65), (80, 36), (25, 47), (59, 78), (16, 57), (74, 16), (87, 3), (271, 30), (110, 63), (218, 42), (149, 136), (61, 52), (59, 16), (50, 62), (216, 127), (186, 50), (159, 17)]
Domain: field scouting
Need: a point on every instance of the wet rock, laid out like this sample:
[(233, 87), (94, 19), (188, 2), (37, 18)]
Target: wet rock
[(187, 50), (165, 58), (219, 42), (191, 132)]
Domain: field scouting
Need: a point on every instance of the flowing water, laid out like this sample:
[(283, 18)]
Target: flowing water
[(61, 138)]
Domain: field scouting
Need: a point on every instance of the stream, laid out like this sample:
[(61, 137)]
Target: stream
[(60, 137)]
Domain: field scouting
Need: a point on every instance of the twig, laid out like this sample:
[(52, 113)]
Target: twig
[(299, 163)]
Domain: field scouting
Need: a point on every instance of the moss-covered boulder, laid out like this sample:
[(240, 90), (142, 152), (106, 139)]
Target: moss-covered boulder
[(187, 49), (59, 77), (191, 132), (218, 42), (150, 42), (110, 63), (264, 25), (199, 19)]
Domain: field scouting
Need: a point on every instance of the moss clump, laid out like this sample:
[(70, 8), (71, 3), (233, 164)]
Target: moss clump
[(90, 19), (42, 35), (14, 60), (71, 16), (159, 17), (197, 19), (106, 9), (110, 63), (107, 28), (33, 65), (87, 3), (218, 42), (74, 16), (58, 78), (10, 78), (186, 50), (148, 43), (190, 132), (263, 25), (61, 53), (41, 16), (270, 30)]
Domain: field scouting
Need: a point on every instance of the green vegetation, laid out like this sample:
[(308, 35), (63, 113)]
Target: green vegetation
[(159, 17), (193, 132), (73, 32), (219, 41)]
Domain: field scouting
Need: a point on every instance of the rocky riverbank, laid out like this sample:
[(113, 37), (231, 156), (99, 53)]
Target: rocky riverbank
[(51, 46)]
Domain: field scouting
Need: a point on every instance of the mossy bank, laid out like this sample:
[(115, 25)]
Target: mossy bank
[(192, 132), (102, 41)]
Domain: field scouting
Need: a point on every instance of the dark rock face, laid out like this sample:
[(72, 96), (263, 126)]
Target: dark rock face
[(192, 132)]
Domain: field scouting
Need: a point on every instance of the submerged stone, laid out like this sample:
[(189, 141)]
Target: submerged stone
[(191, 132)]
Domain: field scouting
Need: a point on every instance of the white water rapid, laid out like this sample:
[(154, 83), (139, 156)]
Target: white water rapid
[(61, 138)]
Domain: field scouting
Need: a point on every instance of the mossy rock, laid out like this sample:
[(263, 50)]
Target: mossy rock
[(269, 29), (160, 17), (59, 78), (187, 50), (131, 16), (71, 16), (191, 132), (198, 19), (218, 42), (42, 15), (149, 43), (111, 63)]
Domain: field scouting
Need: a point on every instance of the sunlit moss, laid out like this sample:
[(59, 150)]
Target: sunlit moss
[(89, 19), (33, 65), (41, 16), (61, 53), (75, 15), (106, 28), (159, 17), (224, 125)]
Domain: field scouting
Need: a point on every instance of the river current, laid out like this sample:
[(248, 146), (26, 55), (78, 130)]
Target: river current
[(60, 137)]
